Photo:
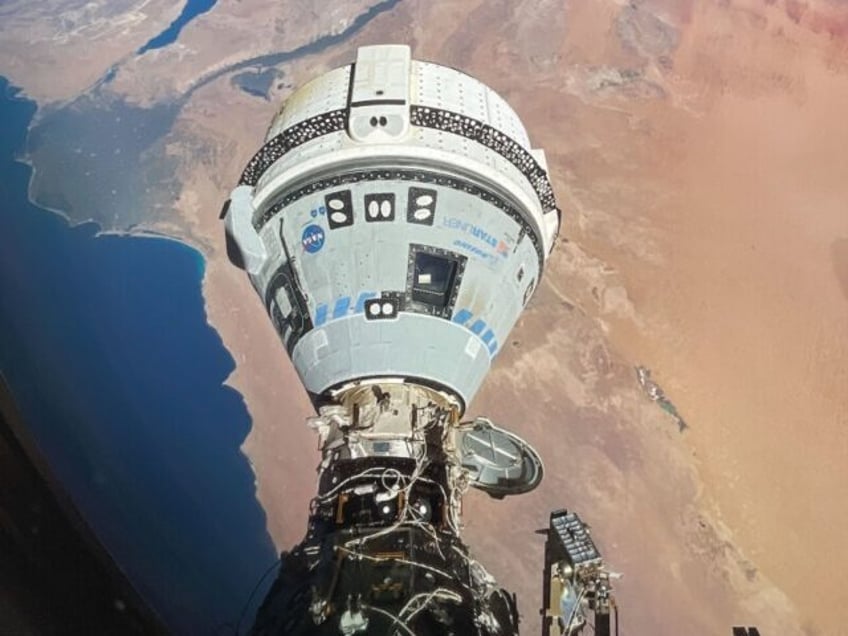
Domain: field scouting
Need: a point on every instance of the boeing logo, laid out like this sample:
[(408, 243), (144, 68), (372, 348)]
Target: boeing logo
[(477, 232)]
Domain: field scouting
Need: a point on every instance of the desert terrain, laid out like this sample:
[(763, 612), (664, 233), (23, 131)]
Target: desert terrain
[(698, 153)]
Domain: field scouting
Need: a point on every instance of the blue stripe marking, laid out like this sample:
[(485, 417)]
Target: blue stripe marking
[(477, 327), (341, 307), (320, 315), (462, 316)]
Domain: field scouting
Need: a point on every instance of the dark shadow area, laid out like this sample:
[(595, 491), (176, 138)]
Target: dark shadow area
[(105, 345), (55, 578)]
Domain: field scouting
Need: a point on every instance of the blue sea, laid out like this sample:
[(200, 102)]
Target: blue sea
[(104, 341), (191, 10)]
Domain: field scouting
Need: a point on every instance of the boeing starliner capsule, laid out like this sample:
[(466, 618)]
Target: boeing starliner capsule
[(395, 224)]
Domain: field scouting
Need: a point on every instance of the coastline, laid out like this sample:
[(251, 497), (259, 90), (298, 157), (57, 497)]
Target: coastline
[(283, 532), (139, 518), (220, 283), (281, 450)]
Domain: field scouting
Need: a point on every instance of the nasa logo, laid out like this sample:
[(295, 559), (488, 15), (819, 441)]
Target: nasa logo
[(313, 238)]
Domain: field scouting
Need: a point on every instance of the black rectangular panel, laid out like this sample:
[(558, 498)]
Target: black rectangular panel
[(380, 207), (421, 206), (339, 209)]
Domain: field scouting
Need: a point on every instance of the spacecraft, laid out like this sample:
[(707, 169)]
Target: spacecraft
[(395, 224)]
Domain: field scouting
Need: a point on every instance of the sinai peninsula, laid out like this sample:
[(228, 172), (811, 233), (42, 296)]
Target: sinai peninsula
[(681, 368)]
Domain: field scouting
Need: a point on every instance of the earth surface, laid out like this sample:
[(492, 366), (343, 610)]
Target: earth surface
[(698, 151)]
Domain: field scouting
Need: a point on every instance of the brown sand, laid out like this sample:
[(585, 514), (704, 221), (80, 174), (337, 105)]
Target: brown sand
[(281, 449), (56, 50), (743, 318)]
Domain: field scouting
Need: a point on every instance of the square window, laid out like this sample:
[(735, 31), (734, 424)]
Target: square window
[(433, 278)]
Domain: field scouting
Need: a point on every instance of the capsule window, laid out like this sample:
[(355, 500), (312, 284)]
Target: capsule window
[(433, 279), (283, 303)]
